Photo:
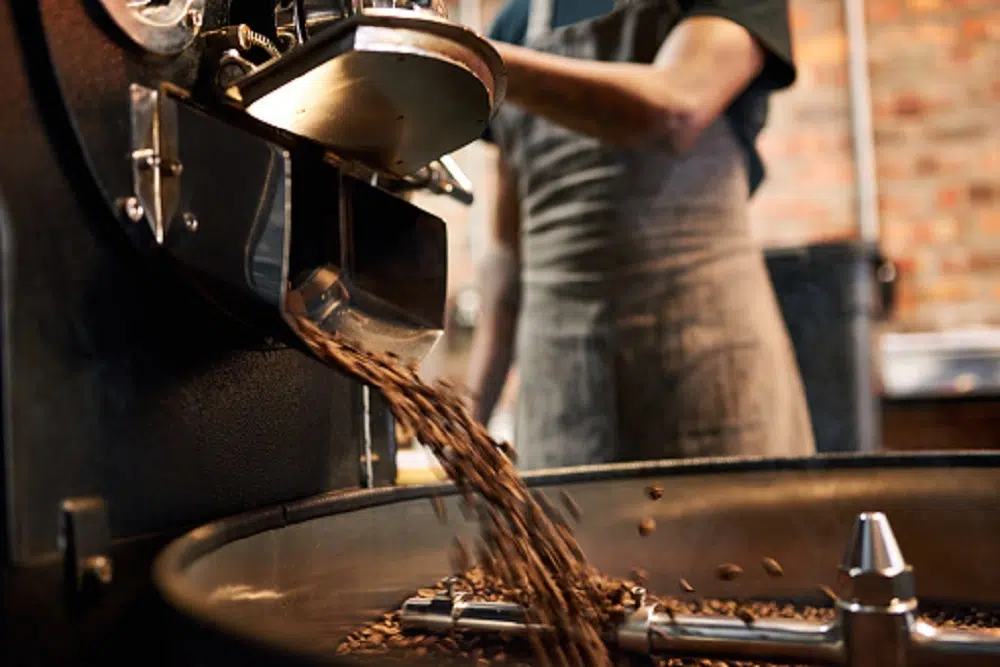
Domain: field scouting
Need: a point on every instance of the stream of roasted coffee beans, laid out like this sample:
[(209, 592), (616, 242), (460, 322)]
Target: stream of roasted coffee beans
[(532, 553), (528, 554)]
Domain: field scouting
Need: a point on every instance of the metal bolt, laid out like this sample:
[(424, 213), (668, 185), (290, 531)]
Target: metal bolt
[(190, 222), (639, 596), (176, 168), (133, 209), (193, 19)]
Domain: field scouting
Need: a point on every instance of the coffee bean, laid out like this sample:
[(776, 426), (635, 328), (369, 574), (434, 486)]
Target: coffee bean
[(828, 592), (685, 586), (728, 571), (509, 451), (461, 559), (468, 507), (439, 509), (571, 505), (772, 567), (654, 491), (647, 527), (639, 575), (745, 615)]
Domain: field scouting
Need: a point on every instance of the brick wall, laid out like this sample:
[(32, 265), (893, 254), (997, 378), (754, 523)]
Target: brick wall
[(935, 86), (935, 68), (810, 191)]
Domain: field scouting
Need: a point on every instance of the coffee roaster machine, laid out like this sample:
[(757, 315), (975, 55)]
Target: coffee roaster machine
[(180, 180)]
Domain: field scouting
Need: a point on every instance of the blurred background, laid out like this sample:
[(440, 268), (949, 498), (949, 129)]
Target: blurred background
[(888, 144)]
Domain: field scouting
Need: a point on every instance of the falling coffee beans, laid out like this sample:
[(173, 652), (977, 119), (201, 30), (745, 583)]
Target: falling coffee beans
[(772, 567), (685, 586), (728, 571), (654, 491), (439, 509), (468, 507), (647, 527), (571, 506), (461, 557), (535, 555), (508, 450)]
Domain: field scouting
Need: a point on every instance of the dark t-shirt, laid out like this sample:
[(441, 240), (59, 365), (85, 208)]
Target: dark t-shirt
[(767, 20)]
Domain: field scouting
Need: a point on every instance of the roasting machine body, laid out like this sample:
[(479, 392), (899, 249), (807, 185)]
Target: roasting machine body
[(165, 219)]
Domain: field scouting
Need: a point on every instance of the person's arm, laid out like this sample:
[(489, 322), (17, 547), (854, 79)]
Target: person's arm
[(703, 65), (499, 288)]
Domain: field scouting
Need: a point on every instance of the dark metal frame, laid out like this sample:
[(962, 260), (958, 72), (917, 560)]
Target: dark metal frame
[(118, 379)]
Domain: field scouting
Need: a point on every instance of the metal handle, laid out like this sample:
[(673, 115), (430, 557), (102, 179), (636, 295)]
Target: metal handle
[(779, 640), (443, 177), (457, 184)]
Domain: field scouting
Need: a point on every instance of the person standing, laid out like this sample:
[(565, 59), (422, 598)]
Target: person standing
[(621, 274)]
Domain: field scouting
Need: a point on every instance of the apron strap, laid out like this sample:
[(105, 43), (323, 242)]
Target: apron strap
[(539, 19)]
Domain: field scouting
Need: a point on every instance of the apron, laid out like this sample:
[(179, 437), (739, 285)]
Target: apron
[(649, 328)]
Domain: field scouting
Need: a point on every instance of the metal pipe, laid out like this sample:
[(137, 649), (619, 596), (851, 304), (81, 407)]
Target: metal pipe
[(859, 83), (930, 646), (862, 132)]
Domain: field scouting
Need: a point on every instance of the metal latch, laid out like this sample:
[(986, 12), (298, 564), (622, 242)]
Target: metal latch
[(156, 167), (85, 541)]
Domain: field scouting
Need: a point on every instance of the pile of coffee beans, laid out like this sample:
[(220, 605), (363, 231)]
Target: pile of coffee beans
[(525, 545), (386, 638)]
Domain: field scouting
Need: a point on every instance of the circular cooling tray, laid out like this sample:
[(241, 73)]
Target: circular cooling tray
[(289, 583), (392, 89)]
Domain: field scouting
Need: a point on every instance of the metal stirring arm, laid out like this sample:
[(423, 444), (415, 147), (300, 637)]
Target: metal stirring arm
[(724, 637), (645, 631), (876, 625)]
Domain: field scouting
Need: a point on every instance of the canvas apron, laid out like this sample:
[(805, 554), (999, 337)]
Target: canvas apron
[(649, 327)]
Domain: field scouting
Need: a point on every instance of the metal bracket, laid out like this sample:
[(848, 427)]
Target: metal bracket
[(85, 540), (156, 168)]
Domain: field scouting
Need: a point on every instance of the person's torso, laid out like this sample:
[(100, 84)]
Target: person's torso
[(596, 221), (747, 115)]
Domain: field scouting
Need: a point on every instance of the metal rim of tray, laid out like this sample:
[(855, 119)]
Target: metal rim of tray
[(184, 551)]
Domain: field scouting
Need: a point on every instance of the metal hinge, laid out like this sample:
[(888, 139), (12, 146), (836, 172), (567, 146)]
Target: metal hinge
[(85, 541), (156, 167)]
